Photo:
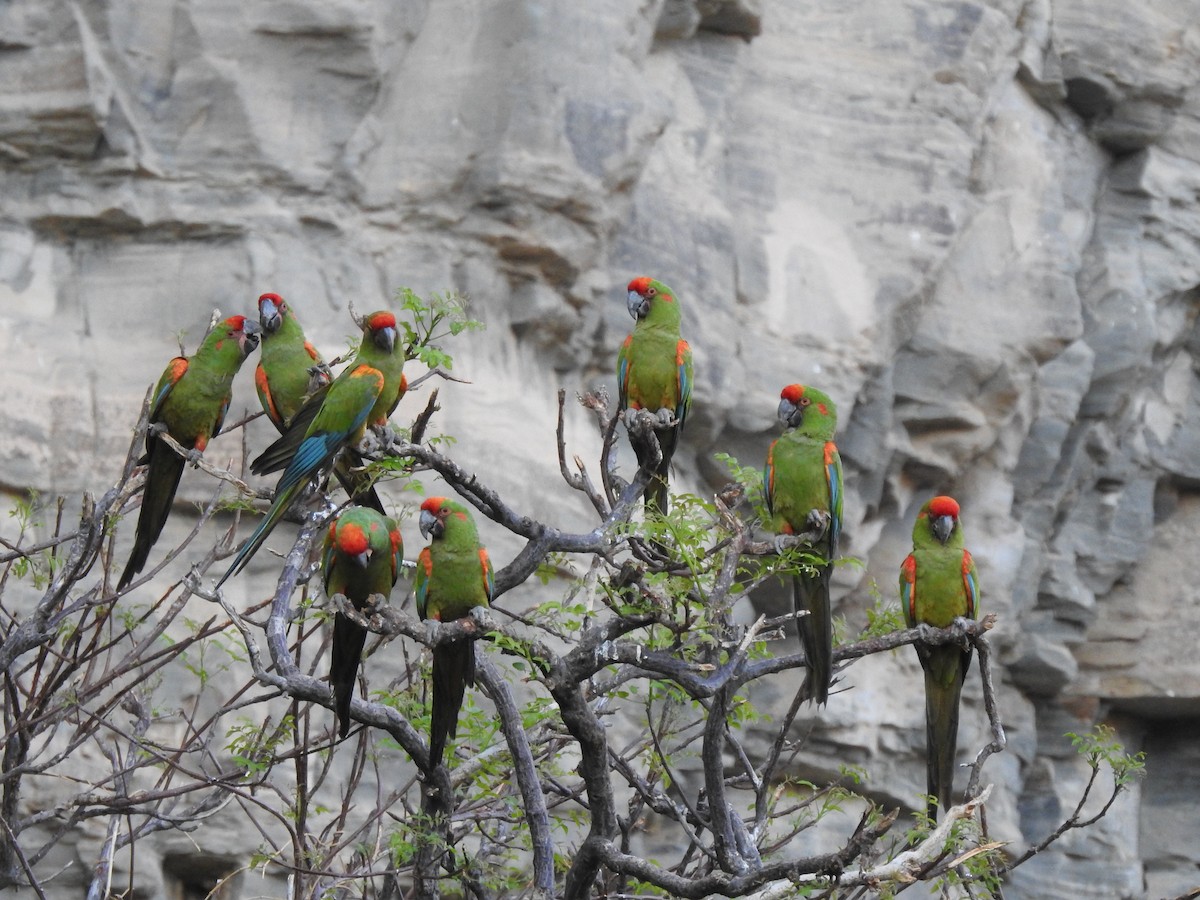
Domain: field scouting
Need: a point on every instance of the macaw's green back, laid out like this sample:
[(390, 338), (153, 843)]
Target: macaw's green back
[(803, 474), (454, 575), (654, 372), (362, 555), (938, 583), (190, 401)]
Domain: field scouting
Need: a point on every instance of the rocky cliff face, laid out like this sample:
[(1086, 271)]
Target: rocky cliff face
[(974, 224)]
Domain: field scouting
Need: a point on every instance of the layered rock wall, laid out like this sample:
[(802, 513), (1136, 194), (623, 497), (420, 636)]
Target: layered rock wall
[(974, 224)]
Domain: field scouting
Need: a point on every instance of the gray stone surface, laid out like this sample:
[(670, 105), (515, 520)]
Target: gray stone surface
[(974, 224)]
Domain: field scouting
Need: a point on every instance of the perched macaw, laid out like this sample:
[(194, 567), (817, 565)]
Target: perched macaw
[(190, 403), (454, 575), (362, 557), (938, 583), (654, 372), (365, 393), (284, 378), (803, 475), (290, 373)]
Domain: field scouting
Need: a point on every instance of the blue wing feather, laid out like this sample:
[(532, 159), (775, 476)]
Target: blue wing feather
[(833, 475), (972, 593), (685, 390)]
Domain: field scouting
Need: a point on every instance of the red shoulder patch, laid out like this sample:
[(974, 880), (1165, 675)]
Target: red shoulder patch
[(264, 388), (908, 572), (365, 371), (177, 367), (312, 352)]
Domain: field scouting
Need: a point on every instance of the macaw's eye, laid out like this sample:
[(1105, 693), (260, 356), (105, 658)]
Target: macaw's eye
[(650, 292), (805, 401)]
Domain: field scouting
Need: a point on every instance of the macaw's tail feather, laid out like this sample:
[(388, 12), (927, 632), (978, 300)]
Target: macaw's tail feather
[(162, 479), (356, 483), (945, 671), (657, 495), (348, 642), (657, 492), (453, 670), (811, 595), (283, 502)]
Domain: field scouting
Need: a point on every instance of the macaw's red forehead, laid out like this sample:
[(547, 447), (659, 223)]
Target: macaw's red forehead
[(236, 323), (433, 505), (273, 298), (944, 506), (792, 393), (639, 285), (381, 319), (350, 538)]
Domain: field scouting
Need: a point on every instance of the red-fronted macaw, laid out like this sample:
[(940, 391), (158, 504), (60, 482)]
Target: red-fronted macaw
[(290, 374), (189, 402), (362, 557), (365, 393), (284, 376), (454, 575), (654, 373), (803, 475), (938, 583)]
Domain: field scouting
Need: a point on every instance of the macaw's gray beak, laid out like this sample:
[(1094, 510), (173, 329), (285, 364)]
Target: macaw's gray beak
[(250, 336), (942, 527), (363, 559), (789, 413), (429, 524), (385, 339), (269, 316), (637, 305)]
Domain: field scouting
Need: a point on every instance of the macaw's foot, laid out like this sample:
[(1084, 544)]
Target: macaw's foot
[(318, 376), (431, 631), (816, 524)]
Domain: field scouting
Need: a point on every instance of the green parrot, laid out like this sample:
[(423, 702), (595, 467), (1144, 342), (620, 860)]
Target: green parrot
[(454, 575), (803, 475), (190, 402), (362, 557), (364, 393), (290, 373), (938, 583), (654, 372), (284, 375)]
